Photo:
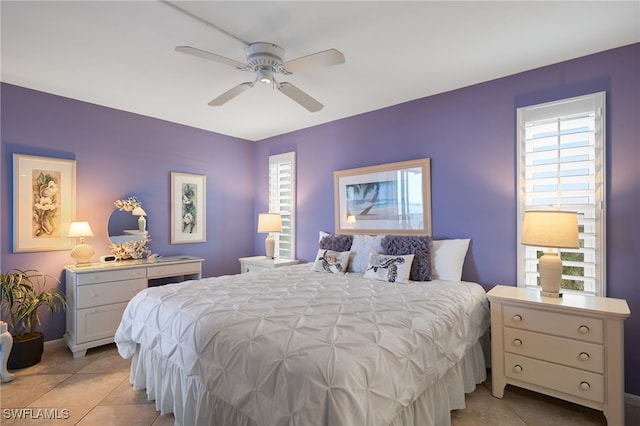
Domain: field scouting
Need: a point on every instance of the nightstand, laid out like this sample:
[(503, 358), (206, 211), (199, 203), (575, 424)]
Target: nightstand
[(262, 263), (570, 347)]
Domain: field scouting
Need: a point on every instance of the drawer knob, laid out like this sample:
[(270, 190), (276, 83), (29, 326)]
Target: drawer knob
[(583, 329), (516, 318), (584, 356), (585, 386), (517, 342), (517, 368)]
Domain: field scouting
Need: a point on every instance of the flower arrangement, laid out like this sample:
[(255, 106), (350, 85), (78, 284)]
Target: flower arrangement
[(128, 205), (188, 209), (45, 205), (131, 249)]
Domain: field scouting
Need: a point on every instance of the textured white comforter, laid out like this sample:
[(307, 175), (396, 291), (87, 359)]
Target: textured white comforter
[(292, 346)]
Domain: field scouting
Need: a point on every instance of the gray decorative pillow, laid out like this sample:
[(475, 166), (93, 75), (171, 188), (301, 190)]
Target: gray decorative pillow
[(420, 246), (336, 242)]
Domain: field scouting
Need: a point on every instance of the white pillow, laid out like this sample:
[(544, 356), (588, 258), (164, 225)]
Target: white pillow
[(362, 247), (389, 267), (334, 262), (447, 259)]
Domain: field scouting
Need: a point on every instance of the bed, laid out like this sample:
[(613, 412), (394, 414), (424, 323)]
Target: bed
[(300, 345)]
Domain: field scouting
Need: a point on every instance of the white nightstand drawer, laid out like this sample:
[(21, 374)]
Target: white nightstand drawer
[(255, 268), (573, 326), (173, 270), (107, 276), (106, 293), (572, 353), (582, 384)]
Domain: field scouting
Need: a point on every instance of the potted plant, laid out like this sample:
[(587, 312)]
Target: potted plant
[(23, 292)]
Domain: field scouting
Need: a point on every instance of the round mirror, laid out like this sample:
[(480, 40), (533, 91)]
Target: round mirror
[(123, 227)]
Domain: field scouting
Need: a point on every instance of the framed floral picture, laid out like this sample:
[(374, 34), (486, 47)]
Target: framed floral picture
[(44, 203), (392, 198), (188, 208)]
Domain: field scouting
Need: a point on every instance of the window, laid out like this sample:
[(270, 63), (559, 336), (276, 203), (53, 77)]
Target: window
[(282, 199), (561, 165)]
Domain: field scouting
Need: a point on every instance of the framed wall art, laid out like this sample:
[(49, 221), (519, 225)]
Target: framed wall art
[(188, 208), (44, 203), (392, 198)]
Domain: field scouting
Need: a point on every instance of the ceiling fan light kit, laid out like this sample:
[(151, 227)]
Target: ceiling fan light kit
[(266, 60)]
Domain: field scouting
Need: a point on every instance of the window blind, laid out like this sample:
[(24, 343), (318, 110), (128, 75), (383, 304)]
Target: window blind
[(561, 166), (282, 199)]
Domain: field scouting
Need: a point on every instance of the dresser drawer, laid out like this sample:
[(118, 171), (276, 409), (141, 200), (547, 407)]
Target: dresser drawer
[(161, 270), (107, 276), (566, 325), (572, 353), (99, 323), (582, 384), (107, 293)]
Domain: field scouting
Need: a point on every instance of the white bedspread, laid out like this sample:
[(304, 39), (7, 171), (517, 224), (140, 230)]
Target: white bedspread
[(292, 346)]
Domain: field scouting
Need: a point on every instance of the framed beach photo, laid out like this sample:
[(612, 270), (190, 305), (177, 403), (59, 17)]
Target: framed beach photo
[(188, 208), (392, 198), (44, 203)]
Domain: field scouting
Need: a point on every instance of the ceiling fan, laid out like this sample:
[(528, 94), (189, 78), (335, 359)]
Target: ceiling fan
[(266, 60)]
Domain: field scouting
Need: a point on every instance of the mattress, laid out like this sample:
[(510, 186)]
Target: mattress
[(293, 346)]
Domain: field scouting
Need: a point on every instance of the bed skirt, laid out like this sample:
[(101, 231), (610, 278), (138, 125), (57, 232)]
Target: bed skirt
[(192, 404)]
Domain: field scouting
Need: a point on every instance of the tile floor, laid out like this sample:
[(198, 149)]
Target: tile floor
[(95, 390)]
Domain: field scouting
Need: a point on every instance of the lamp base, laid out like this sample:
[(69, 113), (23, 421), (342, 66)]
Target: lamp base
[(82, 253), (550, 270), (269, 246)]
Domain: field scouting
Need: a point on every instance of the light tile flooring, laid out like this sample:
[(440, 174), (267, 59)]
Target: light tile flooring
[(95, 390)]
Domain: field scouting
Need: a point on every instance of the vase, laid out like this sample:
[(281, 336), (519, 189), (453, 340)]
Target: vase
[(26, 352)]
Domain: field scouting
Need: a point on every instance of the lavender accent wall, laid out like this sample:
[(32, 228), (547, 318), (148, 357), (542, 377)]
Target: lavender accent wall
[(119, 154), (470, 136)]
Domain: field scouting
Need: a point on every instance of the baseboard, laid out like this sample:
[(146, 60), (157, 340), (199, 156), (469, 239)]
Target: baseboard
[(53, 344), (631, 399)]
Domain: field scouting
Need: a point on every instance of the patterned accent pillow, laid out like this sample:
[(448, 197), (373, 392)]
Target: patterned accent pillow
[(390, 268), (420, 246), (334, 262), (361, 248), (336, 242)]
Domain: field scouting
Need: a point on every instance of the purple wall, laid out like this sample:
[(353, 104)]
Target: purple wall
[(470, 136), (118, 155)]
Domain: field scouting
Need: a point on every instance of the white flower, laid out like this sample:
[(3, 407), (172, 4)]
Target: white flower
[(45, 204)]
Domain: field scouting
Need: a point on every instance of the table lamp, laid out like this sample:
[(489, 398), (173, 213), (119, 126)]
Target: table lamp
[(142, 221), (269, 222), (551, 229), (81, 253)]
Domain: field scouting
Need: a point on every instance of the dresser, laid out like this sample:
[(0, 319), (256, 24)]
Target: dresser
[(570, 347), (98, 293), (262, 263)]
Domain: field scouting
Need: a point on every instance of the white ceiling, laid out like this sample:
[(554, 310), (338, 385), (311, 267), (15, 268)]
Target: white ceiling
[(121, 54)]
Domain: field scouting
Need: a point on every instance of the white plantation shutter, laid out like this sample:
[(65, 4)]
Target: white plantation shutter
[(282, 199), (561, 165)]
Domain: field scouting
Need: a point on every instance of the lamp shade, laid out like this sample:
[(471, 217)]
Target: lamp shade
[(80, 229), (138, 211), (550, 228), (269, 222)]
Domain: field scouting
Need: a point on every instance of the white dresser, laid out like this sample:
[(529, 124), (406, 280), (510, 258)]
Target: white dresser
[(570, 347), (98, 293), (261, 263)]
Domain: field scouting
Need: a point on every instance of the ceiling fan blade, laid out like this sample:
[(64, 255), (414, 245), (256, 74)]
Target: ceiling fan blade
[(212, 56), (300, 97), (230, 94), (325, 58)]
